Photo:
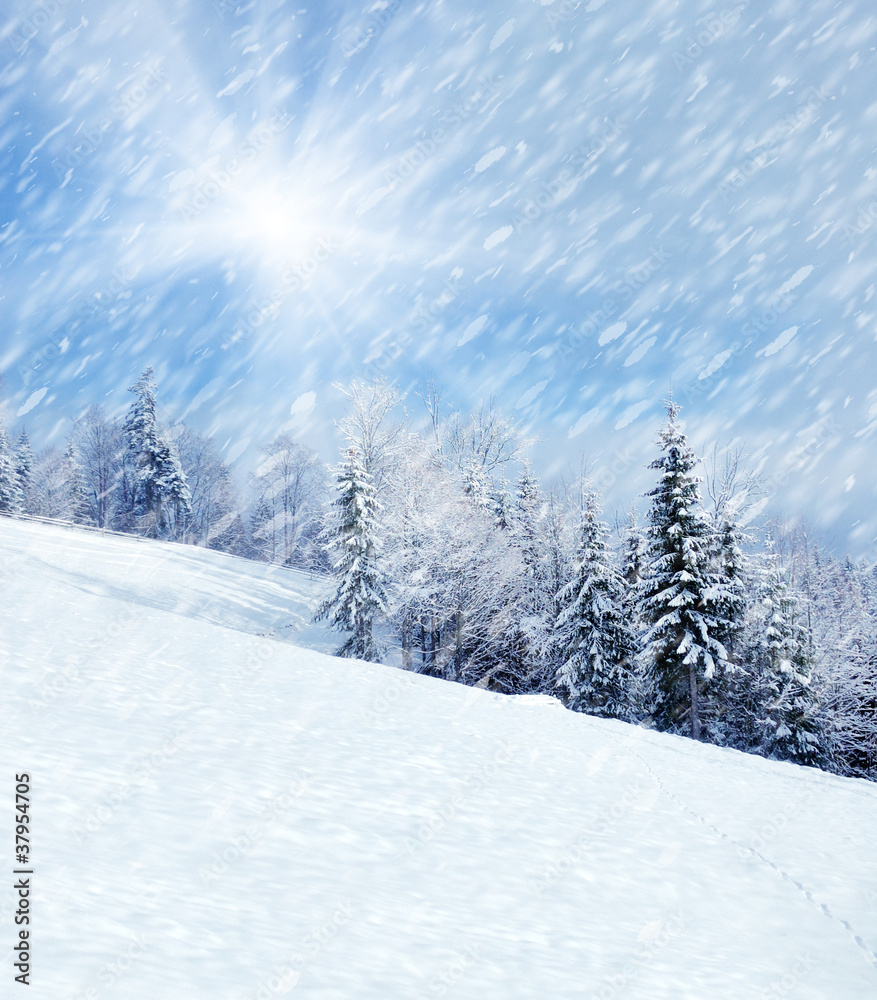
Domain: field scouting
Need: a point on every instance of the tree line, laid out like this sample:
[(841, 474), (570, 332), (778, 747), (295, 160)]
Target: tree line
[(708, 620), (140, 476), (450, 558)]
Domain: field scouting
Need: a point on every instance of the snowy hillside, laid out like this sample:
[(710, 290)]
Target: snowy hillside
[(220, 814)]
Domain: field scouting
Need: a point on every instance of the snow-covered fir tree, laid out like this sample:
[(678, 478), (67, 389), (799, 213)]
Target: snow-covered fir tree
[(594, 642), (161, 498), (634, 553), (525, 518), (74, 485), (841, 631), (360, 596), (790, 718), (24, 460), (502, 505), (262, 531), (476, 486), (682, 599), (731, 567), (11, 497), (534, 611)]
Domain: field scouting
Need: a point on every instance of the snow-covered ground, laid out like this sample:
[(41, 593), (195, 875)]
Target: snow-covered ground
[(218, 813)]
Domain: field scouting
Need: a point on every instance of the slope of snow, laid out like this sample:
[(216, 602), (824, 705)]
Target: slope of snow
[(220, 814)]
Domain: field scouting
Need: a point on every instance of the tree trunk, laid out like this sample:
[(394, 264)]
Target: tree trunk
[(406, 647), (695, 713)]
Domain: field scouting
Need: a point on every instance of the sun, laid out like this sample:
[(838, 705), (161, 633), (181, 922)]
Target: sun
[(278, 226)]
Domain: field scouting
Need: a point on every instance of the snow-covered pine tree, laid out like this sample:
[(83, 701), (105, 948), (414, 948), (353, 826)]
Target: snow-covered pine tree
[(262, 530), (841, 633), (476, 486), (360, 596), (172, 489), (11, 498), (634, 553), (731, 566), (790, 716), (74, 485), (682, 597), (502, 505), (594, 642), (230, 534), (24, 469), (161, 498), (525, 527), (534, 613)]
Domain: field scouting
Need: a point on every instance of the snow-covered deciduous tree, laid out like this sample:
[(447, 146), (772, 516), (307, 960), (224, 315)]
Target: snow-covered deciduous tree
[(101, 452), (594, 642), (289, 486), (360, 597), (682, 597), (56, 486), (372, 427), (215, 517)]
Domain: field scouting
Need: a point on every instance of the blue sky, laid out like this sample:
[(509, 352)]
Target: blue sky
[(573, 205)]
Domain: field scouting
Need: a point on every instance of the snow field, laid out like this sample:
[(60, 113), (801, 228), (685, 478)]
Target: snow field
[(218, 813)]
